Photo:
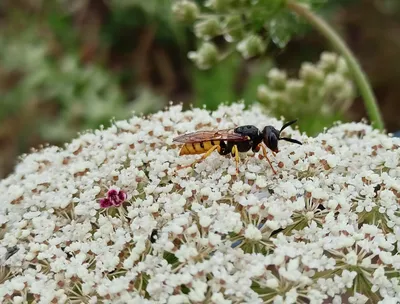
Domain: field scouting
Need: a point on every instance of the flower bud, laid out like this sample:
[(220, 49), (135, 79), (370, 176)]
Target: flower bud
[(342, 67), (186, 11), (264, 93), (328, 62), (218, 5), (251, 46), (233, 28), (271, 97), (310, 73), (206, 56), (208, 28), (334, 83), (295, 89), (277, 79)]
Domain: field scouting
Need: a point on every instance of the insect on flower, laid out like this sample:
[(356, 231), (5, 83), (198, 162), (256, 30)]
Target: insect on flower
[(233, 141)]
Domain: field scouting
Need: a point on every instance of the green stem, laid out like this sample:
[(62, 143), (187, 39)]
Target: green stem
[(338, 43)]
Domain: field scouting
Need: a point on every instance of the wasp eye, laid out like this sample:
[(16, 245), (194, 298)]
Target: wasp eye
[(272, 142)]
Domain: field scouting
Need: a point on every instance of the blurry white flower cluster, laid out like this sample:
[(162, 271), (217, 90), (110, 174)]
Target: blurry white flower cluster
[(325, 229)]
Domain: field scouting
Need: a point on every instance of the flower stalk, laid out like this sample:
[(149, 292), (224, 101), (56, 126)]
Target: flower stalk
[(359, 75)]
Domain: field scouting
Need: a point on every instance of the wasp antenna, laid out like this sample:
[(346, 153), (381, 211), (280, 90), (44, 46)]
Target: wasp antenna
[(287, 125), (295, 141)]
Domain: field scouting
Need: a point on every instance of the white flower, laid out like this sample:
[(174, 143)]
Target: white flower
[(252, 233), (186, 253), (291, 272), (218, 298), (197, 292), (390, 300), (291, 296), (178, 299), (332, 160), (347, 278), (214, 239), (386, 257), (351, 258), (205, 221), (358, 299)]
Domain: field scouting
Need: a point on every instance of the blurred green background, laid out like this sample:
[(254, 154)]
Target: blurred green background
[(71, 65)]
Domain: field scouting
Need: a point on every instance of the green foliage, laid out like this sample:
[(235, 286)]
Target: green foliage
[(84, 96), (49, 79), (135, 14), (220, 84)]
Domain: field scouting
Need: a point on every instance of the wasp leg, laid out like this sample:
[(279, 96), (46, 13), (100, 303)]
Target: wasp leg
[(265, 155), (204, 156), (235, 153)]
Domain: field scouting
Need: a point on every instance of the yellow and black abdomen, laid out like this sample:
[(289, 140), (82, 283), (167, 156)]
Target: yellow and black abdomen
[(198, 148)]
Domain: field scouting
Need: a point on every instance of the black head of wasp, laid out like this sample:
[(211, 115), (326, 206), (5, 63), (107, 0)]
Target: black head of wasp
[(233, 141)]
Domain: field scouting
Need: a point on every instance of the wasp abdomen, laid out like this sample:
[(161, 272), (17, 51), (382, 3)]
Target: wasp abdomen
[(198, 148)]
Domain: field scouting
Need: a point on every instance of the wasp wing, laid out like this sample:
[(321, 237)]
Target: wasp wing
[(201, 136)]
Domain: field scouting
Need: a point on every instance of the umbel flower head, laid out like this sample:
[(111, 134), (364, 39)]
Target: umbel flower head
[(325, 229)]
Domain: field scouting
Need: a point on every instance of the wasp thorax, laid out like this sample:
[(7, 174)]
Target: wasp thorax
[(251, 131), (247, 130)]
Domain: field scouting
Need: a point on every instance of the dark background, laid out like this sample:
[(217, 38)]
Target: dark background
[(69, 65)]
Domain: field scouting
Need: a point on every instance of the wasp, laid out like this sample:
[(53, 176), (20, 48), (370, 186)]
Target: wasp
[(232, 141)]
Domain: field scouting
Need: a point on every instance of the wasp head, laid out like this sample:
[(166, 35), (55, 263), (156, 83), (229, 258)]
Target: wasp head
[(271, 136)]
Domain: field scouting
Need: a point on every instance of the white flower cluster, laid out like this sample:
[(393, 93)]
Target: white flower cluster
[(325, 229)]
